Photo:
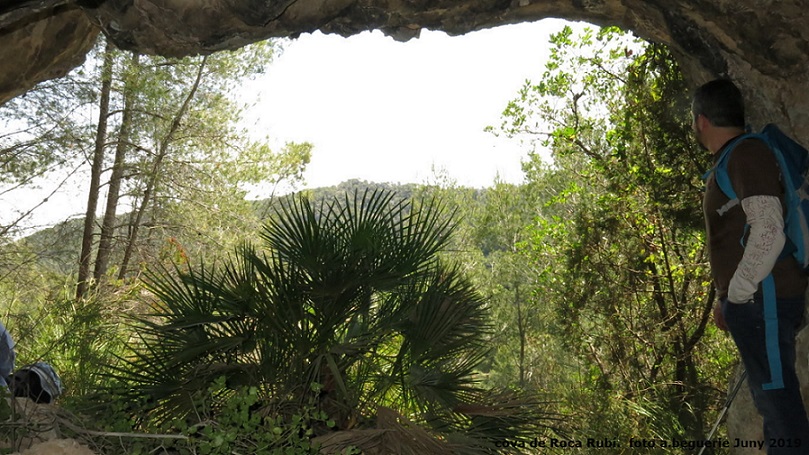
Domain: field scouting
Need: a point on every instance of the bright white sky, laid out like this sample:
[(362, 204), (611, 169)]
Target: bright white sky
[(385, 111), (379, 110)]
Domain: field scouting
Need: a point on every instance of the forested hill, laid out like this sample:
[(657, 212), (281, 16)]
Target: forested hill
[(318, 195), (57, 247)]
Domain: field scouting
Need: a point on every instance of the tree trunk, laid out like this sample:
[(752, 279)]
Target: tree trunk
[(152, 183), (95, 174), (113, 195), (522, 331)]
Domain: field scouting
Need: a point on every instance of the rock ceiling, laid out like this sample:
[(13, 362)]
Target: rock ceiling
[(764, 48)]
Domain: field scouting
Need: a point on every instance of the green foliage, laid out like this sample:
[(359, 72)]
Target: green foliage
[(198, 165), (349, 295), (75, 337), (230, 425), (186, 161), (618, 237), (237, 427), (367, 311)]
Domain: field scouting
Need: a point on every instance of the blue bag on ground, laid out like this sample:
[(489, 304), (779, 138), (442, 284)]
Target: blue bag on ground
[(37, 381)]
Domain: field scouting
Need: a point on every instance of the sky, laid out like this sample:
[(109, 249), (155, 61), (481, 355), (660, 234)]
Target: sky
[(376, 109), (380, 110)]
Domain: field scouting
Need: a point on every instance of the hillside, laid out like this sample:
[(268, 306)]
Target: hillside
[(57, 248)]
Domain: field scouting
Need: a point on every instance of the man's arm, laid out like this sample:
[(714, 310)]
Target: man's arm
[(764, 244)]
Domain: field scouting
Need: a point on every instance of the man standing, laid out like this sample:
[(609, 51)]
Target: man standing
[(760, 290)]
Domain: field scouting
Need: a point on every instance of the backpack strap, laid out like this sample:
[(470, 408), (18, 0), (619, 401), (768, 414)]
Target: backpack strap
[(771, 335), (720, 169)]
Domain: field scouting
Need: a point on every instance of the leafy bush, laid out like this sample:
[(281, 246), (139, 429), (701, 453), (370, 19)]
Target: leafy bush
[(348, 296)]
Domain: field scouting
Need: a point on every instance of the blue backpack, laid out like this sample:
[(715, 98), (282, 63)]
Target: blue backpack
[(793, 161)]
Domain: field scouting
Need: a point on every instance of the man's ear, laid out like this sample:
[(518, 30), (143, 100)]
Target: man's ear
[(701, 121)]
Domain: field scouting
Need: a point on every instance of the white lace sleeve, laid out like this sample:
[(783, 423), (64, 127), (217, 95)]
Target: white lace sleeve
[(764, 245)]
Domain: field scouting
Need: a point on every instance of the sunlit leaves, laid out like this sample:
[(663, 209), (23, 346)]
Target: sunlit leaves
[(622, 222), (197, 166)]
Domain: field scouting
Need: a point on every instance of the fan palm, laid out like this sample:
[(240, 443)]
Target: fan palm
[(347, 306)]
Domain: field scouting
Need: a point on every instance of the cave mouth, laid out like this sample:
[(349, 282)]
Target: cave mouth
[(764, 50)]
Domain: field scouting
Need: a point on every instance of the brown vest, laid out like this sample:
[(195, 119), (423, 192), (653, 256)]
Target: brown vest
[(753, 171)]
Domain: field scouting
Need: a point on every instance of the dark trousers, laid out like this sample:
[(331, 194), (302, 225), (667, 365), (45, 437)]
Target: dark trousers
[(776, 393)]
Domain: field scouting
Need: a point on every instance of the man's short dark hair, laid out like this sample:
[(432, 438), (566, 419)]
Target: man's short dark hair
[(720, 101)]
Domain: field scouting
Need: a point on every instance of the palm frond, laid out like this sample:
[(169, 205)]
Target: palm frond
[(347, 306)]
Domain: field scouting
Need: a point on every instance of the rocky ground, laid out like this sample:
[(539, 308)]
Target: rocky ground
[(57, 447), (33, 429)]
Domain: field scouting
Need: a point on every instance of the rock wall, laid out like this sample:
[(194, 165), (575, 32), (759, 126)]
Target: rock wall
[(45, 45)]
